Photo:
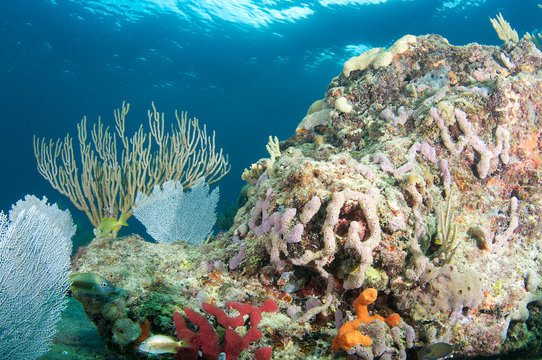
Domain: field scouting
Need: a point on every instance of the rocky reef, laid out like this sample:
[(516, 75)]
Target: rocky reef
[(418, 174)]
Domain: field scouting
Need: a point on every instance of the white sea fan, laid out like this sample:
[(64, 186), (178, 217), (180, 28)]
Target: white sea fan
[(35, 248), (169, 214), (62, 219)]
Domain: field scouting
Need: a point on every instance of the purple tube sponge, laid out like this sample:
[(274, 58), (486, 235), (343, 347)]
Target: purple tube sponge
[(429, 152), (446, 176), (287, 217), (295, 234), (310, 209)]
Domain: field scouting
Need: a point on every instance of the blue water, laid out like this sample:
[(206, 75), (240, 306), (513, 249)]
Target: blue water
[(247, 69)]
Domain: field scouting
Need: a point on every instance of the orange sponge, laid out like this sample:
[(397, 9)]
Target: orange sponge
[(349, 335)]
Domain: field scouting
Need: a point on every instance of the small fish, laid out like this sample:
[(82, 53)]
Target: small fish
[(162, 344), (91, 284), (108, 226), (438, 351), (222, 356)]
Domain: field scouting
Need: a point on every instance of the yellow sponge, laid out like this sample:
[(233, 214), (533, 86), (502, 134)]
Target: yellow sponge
[(378, 57)]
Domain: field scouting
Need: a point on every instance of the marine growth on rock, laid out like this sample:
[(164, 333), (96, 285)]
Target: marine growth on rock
[(360, 196)]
